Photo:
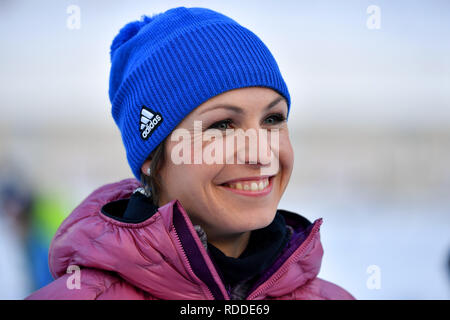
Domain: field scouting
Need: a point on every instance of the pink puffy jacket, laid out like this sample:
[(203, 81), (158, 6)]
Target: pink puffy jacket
[(163, 258)]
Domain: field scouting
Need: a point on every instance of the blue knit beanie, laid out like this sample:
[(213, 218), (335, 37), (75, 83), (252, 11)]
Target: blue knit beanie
[(166, 65)]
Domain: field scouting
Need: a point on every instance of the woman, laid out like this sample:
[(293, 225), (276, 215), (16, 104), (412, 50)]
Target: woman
[(186, 86)]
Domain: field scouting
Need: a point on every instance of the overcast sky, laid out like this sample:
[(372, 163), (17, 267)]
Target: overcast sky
[(338, 70)]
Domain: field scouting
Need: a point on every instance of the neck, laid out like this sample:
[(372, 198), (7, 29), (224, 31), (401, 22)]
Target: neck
[(231, 246)]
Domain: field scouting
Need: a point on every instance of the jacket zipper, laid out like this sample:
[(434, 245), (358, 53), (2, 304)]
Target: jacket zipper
[(287, 264), (186, 260)]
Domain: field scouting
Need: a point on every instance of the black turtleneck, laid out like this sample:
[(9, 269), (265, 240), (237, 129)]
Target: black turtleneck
[(263, 248)]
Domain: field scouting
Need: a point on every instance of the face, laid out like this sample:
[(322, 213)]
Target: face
[(239, 193)]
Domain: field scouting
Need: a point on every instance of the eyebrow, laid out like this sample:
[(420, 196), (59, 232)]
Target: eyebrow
[(239, 109)]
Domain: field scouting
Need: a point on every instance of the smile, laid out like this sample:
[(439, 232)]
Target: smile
[(252, 186)]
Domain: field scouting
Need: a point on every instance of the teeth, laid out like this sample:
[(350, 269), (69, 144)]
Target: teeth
[(258, 185)]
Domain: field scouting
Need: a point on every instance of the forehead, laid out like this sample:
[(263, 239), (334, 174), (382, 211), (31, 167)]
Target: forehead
[(243, 102), (242, 99), (249, 95)]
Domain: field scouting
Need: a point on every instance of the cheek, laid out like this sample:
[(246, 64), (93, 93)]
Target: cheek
[(186, 182), (286, 154)]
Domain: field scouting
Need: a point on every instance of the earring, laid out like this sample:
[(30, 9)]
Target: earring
[(148, 171)]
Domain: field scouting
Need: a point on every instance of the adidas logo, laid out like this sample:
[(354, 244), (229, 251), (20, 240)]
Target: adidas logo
[(150, 120)]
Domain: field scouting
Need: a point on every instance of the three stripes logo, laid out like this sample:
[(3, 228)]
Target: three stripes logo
[(150, 120)]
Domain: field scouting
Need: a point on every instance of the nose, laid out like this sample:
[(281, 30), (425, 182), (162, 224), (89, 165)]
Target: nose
[(256, 146)]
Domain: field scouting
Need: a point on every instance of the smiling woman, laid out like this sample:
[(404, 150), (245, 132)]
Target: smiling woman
[(193, 229), (219, 194)]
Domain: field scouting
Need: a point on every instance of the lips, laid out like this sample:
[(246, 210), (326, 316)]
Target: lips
[(250, 186)]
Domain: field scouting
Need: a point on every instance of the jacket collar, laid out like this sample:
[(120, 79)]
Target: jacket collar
[(164, 256)]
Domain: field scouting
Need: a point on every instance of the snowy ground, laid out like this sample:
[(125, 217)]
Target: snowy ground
[(409, 244)]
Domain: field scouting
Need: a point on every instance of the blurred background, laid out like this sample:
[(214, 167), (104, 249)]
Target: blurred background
[(370, 125)]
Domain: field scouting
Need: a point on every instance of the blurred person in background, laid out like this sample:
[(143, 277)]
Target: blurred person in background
[(29, 221), (184, 231), (47, 215), (15, 217)]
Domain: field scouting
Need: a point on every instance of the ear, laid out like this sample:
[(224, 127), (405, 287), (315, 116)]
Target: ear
[(146, 166)]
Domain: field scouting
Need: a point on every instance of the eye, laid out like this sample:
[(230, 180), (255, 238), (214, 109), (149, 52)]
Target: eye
[(275, 119), (221, 125)]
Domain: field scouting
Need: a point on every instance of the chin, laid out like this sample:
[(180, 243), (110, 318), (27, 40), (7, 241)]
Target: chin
[(257, 219)]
